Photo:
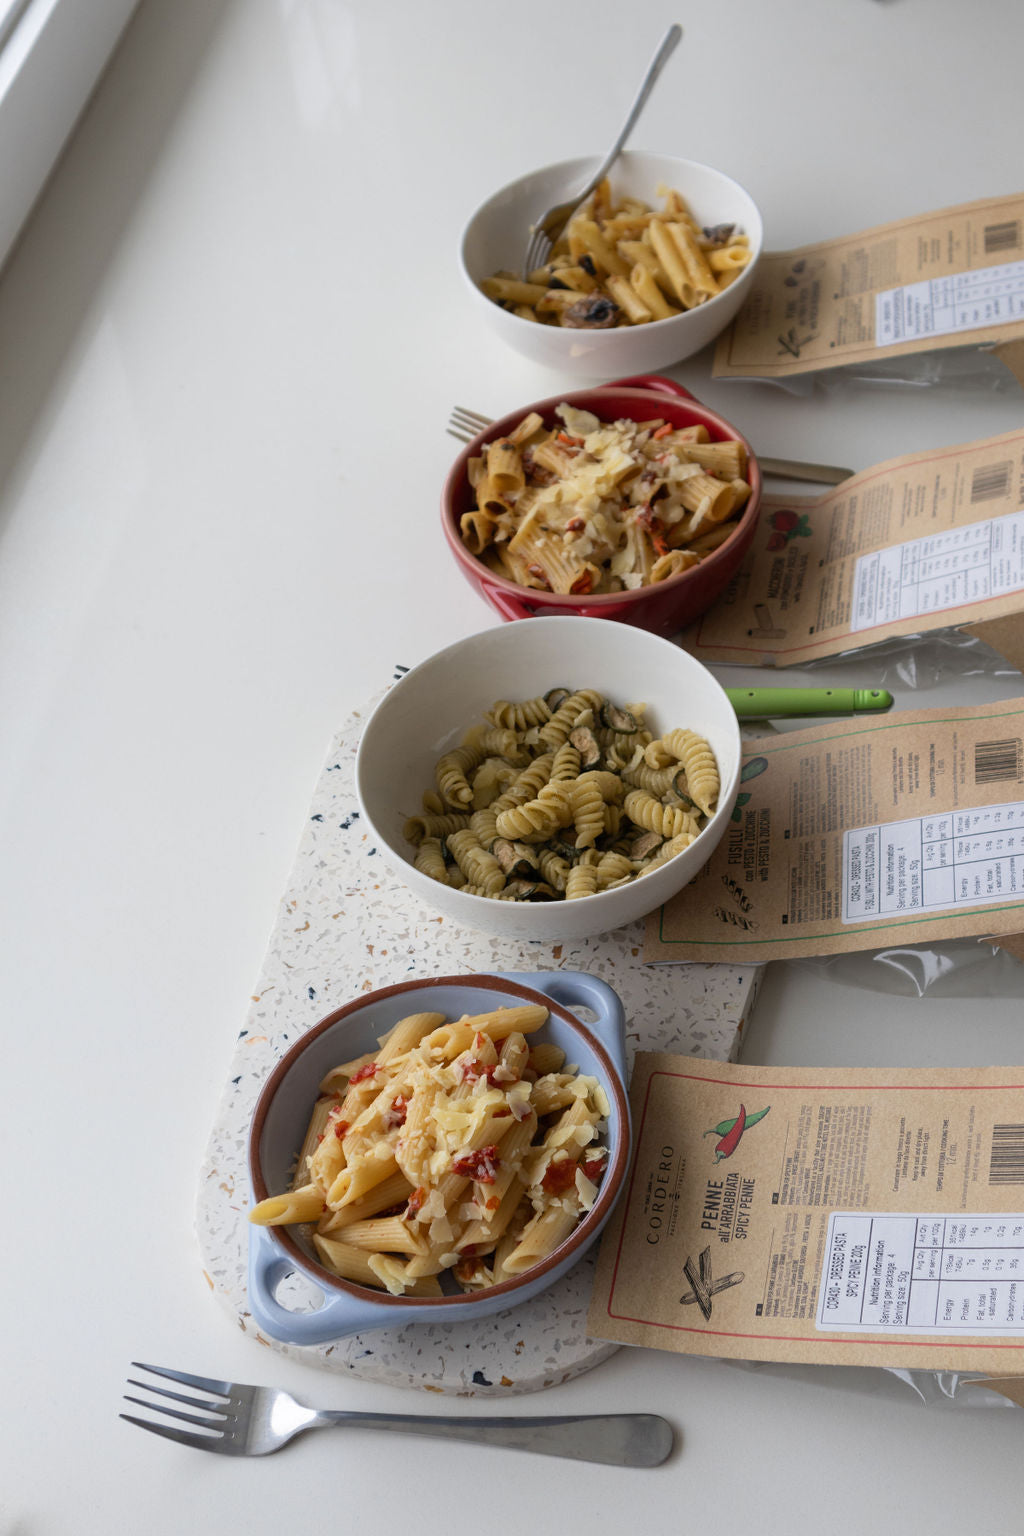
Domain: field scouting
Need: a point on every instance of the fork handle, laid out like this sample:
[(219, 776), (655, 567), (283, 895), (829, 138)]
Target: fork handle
[(658, 63), (616, 1439)]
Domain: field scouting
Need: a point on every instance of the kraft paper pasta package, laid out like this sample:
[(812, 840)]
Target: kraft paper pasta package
[(863, 834), (915, 545), (936, 281), (822, 1216)]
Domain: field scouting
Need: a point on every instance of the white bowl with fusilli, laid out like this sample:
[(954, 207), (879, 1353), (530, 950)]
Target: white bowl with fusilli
[(550, 780)]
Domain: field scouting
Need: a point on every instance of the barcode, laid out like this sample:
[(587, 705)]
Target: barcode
[(991, 481), (1006, 1165), (995, 761), (1002, 237)]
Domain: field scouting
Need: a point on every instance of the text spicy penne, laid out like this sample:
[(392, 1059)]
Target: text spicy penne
[(457, 1147)]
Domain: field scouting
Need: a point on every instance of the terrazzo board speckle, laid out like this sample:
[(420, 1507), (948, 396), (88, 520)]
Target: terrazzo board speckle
[(345, 927)]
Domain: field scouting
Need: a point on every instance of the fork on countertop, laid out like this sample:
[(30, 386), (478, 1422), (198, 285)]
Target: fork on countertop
[(465, 425), (236, 1420)]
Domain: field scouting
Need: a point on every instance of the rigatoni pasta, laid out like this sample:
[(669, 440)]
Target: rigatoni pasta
[(455, 1148), (597, 506)]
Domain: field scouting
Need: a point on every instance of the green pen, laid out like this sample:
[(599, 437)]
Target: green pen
[(764, 703)]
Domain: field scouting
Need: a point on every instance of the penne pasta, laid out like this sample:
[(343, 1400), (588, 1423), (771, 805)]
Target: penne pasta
[(603, 246), (464, 1126), (304, 1204)]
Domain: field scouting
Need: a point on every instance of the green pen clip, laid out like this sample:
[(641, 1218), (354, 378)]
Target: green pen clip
[(766, 703)]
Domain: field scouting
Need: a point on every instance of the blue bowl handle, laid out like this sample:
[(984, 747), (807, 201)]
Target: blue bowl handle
[(575, 989), (339, 1316)]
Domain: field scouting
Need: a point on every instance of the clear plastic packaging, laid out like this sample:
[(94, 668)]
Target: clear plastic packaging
[(932, 1389), (977, 370), (924, 661), (965, 968), (961, 968)]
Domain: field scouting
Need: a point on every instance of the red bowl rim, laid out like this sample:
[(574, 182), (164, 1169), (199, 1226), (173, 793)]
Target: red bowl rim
[(591, 399), (610, 1185)]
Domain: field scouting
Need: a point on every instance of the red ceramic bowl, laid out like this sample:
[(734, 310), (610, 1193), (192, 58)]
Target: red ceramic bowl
[(664, 608)]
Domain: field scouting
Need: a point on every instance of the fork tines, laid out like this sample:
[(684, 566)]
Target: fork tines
[(465, 425), (217, 1417), (537, 252)]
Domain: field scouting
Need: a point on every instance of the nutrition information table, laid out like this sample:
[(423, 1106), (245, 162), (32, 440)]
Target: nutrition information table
[(963, 858), (940, 1274)]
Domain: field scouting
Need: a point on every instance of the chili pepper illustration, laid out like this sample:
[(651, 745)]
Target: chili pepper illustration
[(725, 1126), (731, 1131), (731, 1140)]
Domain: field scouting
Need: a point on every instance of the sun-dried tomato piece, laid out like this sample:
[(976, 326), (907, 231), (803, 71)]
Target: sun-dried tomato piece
[(473, 1070), (559, 1176), (481, 1164), (397, 1113), (415, 1202)]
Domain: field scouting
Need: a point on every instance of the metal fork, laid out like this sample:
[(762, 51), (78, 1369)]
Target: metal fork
[(465, 425), (253, 1421), (547, 229)]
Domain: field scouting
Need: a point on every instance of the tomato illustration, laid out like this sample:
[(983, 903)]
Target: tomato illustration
[(787, 525)]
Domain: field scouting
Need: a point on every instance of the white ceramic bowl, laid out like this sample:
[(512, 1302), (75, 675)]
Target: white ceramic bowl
[(429, 711), (496, 237)]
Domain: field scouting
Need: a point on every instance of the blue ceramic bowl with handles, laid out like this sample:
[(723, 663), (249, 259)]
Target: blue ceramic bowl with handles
[(285, 1104)]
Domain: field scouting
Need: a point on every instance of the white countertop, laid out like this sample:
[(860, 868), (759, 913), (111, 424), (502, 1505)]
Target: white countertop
[(229, 339)]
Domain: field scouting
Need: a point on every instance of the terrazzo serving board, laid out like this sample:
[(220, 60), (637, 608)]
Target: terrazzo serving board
[(346, 926)]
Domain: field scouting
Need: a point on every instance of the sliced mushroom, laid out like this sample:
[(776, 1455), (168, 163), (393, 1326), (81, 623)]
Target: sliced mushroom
[(594, 312), (586, 744), (644, 845), (719, 234)]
